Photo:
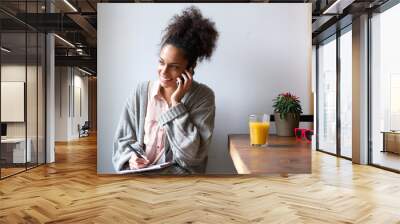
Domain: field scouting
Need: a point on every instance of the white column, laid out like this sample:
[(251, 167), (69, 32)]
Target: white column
[(50, 100), (360, 90), (50, 92), (314, 94)]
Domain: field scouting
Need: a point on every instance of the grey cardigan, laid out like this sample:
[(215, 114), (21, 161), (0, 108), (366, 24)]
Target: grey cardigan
[(189, 127)]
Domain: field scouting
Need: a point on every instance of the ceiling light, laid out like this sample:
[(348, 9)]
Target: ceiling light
[(5, 50), (331, 7), (70, 5), (64, 40), (338, 6), (84, 71)]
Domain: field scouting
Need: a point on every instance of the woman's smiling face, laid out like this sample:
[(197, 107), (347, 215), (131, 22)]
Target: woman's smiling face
[(172, 64)]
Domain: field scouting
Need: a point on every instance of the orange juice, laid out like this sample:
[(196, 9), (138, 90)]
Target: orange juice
[(259, 132)]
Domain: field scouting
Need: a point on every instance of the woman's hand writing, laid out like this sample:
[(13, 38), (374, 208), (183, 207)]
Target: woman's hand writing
[(136, 162)]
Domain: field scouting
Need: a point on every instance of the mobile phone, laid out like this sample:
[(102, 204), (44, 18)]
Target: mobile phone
[(181, 78), (191, 69)]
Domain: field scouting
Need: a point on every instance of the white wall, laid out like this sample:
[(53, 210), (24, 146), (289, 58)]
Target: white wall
[(263, 50), (67, 83), (80, 83), (61, 103), (15, 73)]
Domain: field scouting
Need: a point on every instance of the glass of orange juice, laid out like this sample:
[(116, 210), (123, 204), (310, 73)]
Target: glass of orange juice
[(259, 129)]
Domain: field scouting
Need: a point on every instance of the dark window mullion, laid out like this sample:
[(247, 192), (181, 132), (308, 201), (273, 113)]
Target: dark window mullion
[(338, 92), (369, 90), (317, 96), (26, 86), (44, 71), (37, 90), (0, 98)]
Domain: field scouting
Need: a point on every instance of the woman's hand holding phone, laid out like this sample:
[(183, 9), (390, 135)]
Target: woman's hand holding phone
[(184, 82)]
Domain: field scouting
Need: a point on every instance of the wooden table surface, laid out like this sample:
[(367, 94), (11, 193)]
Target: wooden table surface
[(283, 155)]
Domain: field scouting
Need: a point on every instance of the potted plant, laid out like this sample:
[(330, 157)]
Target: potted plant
[(287, 110)]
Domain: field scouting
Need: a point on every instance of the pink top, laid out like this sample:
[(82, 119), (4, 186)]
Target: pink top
[(153, 133)]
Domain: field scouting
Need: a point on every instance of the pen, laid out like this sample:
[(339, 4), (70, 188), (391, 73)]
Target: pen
[(165, 165), (138, 154)]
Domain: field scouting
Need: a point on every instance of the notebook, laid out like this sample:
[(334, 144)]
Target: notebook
[(149, 168)]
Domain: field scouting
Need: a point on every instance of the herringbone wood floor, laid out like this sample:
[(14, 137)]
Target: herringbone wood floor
[(70, 191)]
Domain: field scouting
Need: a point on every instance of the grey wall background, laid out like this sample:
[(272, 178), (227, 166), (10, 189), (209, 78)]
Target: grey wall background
[(263, 50), (66, 121)]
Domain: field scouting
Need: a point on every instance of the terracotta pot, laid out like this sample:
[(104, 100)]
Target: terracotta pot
[(286, 126)]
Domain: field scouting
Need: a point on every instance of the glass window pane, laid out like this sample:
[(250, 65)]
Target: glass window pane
[(385, 84), (31, 101), (13, 86), (22, 89), (346, 94), (327, 97)]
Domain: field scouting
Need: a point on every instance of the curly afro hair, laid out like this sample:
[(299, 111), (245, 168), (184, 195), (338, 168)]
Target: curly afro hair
[(194, 35)]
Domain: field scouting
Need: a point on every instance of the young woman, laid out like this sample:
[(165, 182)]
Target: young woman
[(171, 119)]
